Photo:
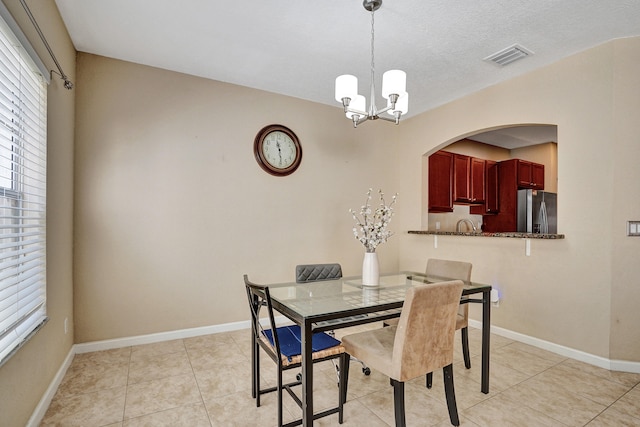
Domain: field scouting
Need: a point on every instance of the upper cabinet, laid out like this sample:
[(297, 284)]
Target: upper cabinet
[(530, 175), (441, 182), (491, 197), (455, 179), (468, 180)]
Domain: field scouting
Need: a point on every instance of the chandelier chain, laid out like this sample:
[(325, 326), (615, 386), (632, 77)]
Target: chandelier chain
[(372, 107)]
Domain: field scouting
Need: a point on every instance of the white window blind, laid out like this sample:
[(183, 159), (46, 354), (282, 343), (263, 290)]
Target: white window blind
[(23, 161)]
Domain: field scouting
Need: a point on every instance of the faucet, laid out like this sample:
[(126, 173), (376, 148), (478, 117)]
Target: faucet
[(459, 223)]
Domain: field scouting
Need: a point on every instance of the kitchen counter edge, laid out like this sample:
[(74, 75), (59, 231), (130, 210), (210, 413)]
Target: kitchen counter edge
[(513, 235)]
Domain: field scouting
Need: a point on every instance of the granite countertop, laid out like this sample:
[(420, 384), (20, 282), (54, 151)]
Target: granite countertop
[(515, 235)]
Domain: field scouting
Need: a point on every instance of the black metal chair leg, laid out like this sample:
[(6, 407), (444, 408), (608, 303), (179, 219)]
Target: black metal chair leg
[(465, 347), (398, 402), (451, 395), (344, 375), (279, 396), (256, 378), (429, 379), (342, 385)]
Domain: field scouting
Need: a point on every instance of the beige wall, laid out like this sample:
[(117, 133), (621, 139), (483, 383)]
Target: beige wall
[(580, 292), (26, 376), (172, 208)]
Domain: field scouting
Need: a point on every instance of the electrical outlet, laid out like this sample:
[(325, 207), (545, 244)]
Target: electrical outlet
[(66, 325), (633, 228)]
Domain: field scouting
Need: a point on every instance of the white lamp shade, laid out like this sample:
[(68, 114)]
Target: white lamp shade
[(394, 82), (358, 103), (402, 105), (346, 87)]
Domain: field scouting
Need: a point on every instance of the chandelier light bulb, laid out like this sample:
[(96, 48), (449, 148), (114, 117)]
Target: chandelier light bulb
[(394, 82), (346, 87), (402, 105), (357, 107)]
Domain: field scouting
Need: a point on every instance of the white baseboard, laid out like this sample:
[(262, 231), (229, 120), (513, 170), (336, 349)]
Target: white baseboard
[(159, 337), (612, 365), (47, 397)]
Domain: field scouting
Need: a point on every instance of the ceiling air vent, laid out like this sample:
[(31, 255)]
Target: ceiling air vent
[(509, 55)]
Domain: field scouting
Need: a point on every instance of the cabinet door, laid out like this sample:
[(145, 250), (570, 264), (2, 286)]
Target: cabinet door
[(530, 175), (441, 182), (477, 180), (461, 174), (524, 174), (491, 205), (537, 176)]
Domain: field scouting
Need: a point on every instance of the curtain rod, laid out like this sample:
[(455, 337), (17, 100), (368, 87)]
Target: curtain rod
[(67, 83)]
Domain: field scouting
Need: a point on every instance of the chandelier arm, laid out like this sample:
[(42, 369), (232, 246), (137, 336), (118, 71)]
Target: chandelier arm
[(395, 120)]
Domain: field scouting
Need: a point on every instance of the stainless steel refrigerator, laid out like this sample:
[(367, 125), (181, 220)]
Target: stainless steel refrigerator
[(537, 212)]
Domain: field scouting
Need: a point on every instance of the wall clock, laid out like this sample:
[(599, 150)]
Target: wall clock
[(277, 150)]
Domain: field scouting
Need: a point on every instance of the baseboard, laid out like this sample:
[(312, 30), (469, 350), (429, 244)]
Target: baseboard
[(47, 397), (612, 365), (159, 337)]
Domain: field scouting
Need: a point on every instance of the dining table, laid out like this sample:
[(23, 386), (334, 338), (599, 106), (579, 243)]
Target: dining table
[(339, 303)]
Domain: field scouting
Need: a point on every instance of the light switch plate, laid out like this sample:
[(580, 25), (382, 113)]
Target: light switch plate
[(633, 228)]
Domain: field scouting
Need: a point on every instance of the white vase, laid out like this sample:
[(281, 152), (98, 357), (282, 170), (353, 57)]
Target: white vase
[(370, 269)]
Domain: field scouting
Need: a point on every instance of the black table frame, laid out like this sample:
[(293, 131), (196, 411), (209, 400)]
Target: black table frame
[(319, 323)]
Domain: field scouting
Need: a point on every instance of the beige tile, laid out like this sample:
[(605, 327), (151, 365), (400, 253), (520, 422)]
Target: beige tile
[(90, 375), (503, 411), (156, 349), (155, 366), (544, 354), (355, 414), (90, 409), (564, 406), (162, 394), (325, 394), (583, 383), (190, 415), (467, 391), (629, 404), (223, 380), (613, 418), (362, 385), (519, 360), (203, 358), (207, 341), (420, 408), (239, 410), (628, 379)]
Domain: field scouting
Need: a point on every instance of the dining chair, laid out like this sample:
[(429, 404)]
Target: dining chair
[(318, 272), (283, 346), (458, 270), (421, 342)]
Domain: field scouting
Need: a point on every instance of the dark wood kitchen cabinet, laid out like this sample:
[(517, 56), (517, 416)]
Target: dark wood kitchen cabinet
[(468, 180), (441, 182), (491, 204), (530, 175)]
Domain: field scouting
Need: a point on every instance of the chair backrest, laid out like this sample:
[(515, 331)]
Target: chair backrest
[(424, 338), (317, 272), (453, 270), (259, 297)]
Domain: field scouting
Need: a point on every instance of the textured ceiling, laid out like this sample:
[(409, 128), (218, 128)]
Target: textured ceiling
[(297, 47)]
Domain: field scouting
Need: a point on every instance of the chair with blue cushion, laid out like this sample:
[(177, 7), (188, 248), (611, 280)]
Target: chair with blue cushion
[(284, 348)]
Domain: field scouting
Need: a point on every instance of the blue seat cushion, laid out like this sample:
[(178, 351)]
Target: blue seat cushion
[(289, 338)]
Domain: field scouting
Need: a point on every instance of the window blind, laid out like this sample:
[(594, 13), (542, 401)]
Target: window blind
[(23, 155)]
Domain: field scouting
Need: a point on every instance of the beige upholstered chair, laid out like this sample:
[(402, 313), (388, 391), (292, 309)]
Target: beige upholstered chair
[(421, 342), (450, 270), (283, 346)]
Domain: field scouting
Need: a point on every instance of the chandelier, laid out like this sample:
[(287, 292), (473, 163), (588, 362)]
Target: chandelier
[(394, 83)]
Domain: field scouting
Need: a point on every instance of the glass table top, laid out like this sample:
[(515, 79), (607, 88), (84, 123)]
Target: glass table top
[(348, 294)]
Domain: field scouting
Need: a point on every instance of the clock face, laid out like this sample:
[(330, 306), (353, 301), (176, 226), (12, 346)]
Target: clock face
[(277, 150)]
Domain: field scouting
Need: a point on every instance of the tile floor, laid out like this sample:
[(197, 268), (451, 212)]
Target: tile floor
[(205, 381)]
